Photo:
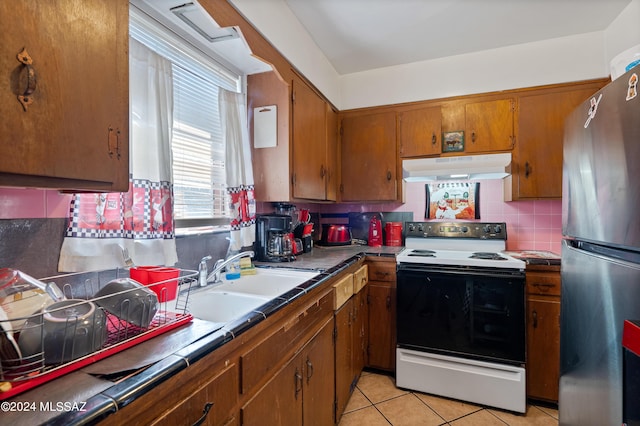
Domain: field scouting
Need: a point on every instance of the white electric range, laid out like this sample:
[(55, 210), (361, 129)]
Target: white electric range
[(461, 314)]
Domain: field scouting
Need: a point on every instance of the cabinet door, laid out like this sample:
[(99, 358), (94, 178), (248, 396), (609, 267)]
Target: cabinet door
[(368, 155), (420, 132), (211, 403), (309, 143), (279, 402), (489, 126), (343, 354), (271, 166), (74, 132), (360, 332), (319, 384), (543, 347), (382, 325), (538, 157)]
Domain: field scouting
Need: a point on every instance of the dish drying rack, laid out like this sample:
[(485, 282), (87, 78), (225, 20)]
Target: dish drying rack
[(17, 375)]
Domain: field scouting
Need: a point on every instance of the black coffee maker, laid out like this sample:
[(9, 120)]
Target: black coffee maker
[(274, 240)]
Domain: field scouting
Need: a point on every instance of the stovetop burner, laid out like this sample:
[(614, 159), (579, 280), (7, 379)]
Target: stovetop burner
[(487, 255), (422, 253)]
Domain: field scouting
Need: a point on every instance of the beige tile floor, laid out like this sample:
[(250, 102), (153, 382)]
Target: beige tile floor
[(377, 401)]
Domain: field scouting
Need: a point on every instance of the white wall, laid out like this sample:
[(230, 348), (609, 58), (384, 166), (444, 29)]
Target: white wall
[(558, 60), (553, 61), (624, 31), (275, 21)]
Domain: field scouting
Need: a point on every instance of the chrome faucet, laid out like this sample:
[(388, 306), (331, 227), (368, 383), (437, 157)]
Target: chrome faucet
[(214, 276)]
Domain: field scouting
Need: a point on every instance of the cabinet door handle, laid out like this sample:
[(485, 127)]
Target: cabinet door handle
[(298, 381), (309, 370), (388, 302), (323, 172), (527, 169), (205, 413), (473, 136), (433, 139), (118, 143), (25, 98), (535, 319), (389, 175)]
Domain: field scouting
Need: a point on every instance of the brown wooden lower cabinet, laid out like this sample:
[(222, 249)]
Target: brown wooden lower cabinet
[(382, 314), (301, 392), (351, 336), (281, 371), (207, 405), (543, 334)]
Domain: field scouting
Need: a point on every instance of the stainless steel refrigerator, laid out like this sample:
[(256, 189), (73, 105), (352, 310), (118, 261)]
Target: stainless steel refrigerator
[(600, 251)]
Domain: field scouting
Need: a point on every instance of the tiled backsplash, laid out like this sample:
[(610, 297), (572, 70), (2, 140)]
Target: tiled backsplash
[(531, 225), (27, 236)]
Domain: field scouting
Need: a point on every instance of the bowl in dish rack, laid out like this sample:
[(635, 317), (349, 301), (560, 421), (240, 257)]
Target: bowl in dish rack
[(64, 331), (128, 300)]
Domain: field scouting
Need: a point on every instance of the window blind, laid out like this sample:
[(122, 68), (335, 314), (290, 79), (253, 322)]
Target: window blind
[(198, 152)]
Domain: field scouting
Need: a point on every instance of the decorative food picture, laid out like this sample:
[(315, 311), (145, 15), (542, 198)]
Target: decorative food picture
[(453, 200)]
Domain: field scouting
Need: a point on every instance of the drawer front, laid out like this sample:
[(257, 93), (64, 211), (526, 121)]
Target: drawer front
[(263, 358), (382, 271), (360, 278), (342, 291), (548, 283)]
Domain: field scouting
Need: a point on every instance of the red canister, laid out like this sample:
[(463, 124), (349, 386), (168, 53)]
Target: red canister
[(393, 231)]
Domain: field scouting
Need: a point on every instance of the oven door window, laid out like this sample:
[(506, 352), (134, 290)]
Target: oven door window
[(475, 315)]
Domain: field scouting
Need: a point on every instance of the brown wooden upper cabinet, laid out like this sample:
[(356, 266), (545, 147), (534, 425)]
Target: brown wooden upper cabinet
[(271, 165), (71, 128), (488, 126), (537, 157), (420, 132), (369, 157), (314, 145)]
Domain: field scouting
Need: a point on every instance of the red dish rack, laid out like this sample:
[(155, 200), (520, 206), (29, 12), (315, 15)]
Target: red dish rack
[(18, 375)]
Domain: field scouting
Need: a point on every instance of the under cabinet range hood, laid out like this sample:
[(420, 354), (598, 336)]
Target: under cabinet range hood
[(469, 167)]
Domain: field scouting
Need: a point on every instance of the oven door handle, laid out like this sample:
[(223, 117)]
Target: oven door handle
[(459, 270)]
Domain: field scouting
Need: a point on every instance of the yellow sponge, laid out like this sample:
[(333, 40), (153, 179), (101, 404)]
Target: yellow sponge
[(248, 271), (246, 267)]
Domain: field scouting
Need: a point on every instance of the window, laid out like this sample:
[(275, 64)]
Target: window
[(197, 148)]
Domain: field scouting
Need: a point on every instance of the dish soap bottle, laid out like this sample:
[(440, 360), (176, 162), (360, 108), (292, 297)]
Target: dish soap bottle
[(233, 268)]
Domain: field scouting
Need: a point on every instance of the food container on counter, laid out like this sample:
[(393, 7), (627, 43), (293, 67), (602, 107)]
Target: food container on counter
[(393, 233)]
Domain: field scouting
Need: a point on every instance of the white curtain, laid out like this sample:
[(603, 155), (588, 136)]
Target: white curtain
[(233, 116), (141, 220)]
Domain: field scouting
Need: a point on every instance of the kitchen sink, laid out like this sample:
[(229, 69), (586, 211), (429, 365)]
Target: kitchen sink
[(230, 299), (271, 282), (222, 306)]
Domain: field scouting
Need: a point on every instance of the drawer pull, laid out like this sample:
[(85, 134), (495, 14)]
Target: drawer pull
[(205, 413), (544, 286)]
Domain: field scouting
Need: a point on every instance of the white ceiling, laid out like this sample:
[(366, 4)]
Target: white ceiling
[(359, 35)]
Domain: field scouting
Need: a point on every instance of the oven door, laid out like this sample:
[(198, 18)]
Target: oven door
[(476, 313)]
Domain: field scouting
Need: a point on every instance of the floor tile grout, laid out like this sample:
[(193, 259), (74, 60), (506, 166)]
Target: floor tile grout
[(547, 411)]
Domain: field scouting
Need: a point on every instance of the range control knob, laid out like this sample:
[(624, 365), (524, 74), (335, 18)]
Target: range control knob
[(464, 229), (486, 229), (411, 227), (497, 229)]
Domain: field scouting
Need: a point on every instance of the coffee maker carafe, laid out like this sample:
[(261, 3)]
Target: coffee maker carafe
[(274, 240)]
